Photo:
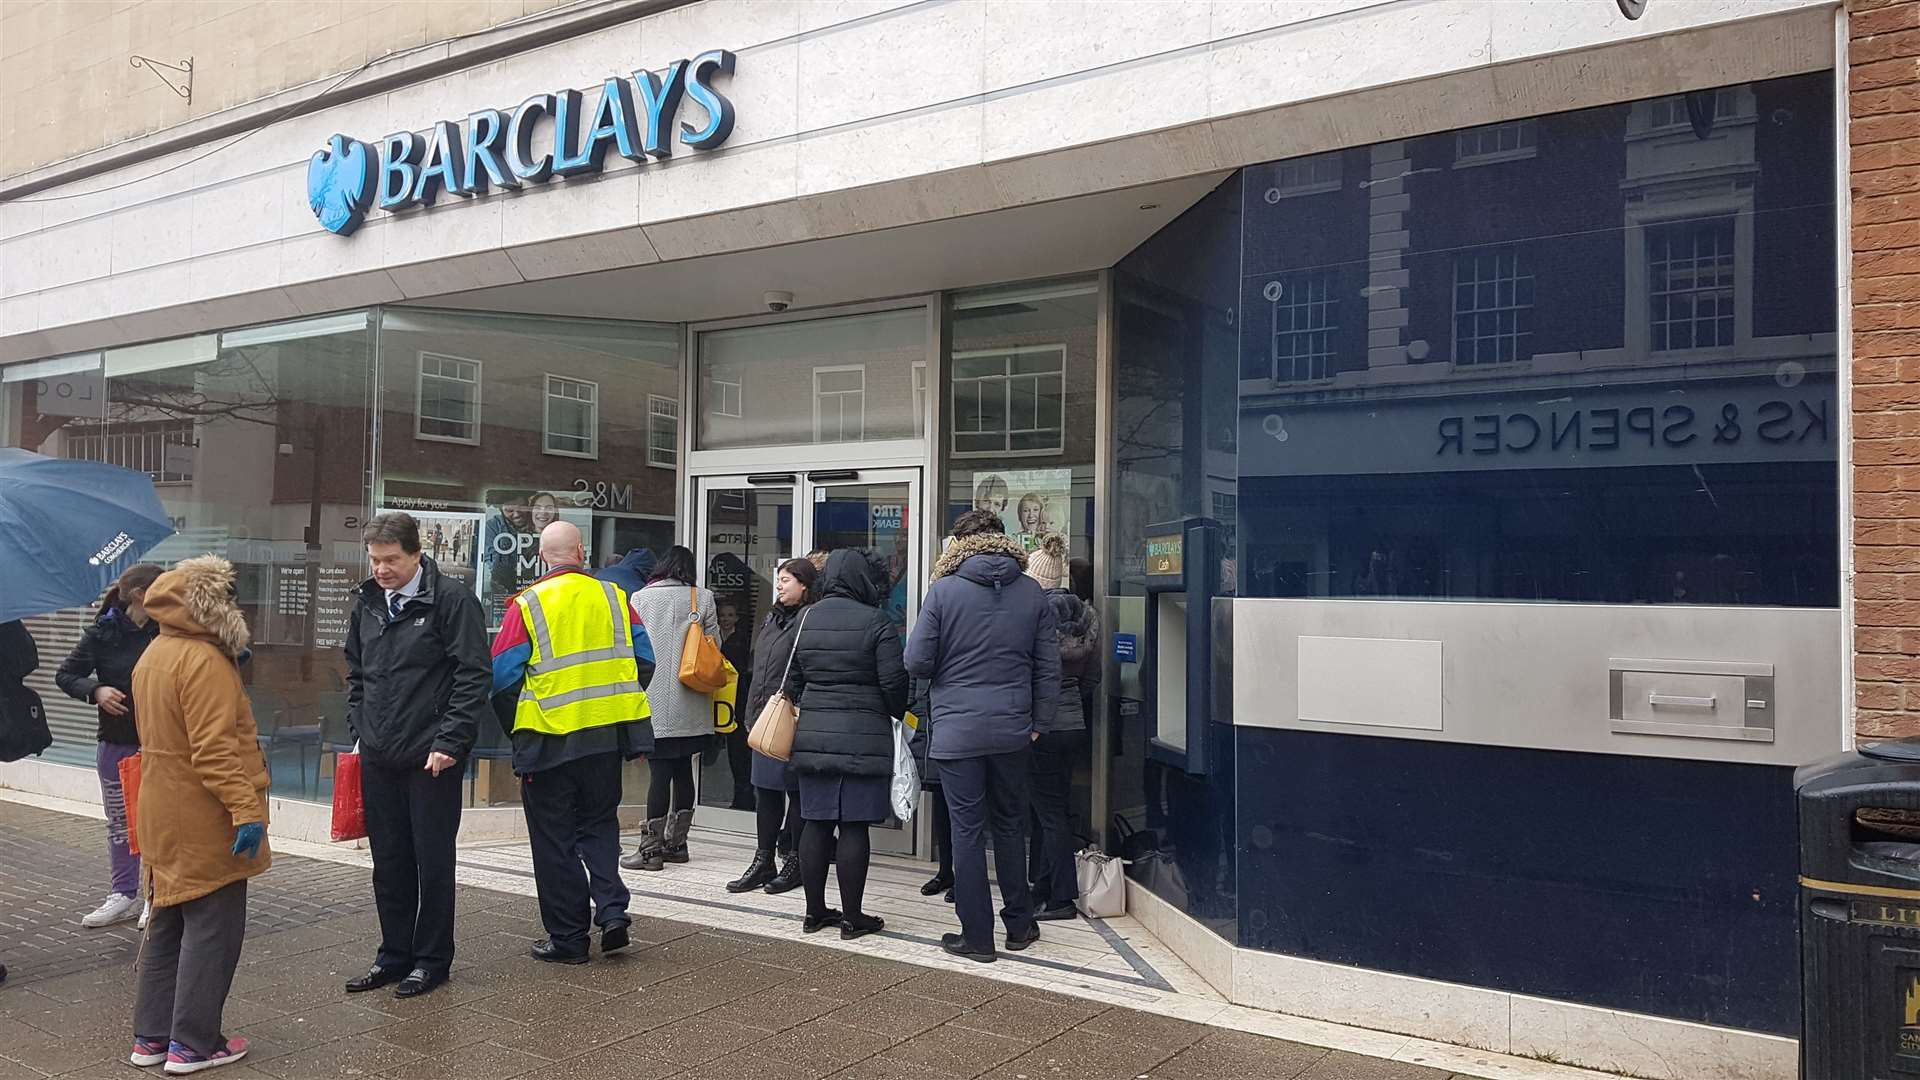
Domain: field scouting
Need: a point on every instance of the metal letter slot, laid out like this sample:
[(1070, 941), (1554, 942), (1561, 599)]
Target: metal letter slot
[(1691, 699)]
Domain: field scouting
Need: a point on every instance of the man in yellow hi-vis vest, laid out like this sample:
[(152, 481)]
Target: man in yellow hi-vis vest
[(567, 687)]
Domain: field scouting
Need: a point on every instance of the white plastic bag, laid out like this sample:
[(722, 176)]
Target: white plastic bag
[(1103, 884), (906, 775)]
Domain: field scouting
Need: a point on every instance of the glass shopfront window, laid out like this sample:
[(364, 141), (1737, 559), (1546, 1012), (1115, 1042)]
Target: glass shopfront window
[(273, 445), (563, 421), (1586, 357), (258, 442), (846, 378)]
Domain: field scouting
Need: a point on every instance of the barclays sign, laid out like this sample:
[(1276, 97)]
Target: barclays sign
[(545, 136)]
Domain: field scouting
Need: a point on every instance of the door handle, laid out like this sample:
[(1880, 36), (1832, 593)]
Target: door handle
[(1680, 701)]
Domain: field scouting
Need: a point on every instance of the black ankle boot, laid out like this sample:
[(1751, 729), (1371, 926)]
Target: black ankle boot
[(788, 879), (759, 872)]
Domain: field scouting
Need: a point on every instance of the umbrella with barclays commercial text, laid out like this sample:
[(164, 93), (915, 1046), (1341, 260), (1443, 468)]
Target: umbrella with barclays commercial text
[(69, 528)]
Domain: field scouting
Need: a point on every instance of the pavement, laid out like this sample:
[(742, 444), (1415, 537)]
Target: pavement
[(686, 1001)]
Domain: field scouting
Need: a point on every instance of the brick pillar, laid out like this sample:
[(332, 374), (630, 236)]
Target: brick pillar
[(1884, 121)]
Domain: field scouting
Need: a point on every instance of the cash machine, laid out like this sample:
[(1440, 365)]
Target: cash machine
[(1176, 668)]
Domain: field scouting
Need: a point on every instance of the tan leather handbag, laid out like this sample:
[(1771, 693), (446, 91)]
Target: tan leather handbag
[(702, 667), (772, 732)]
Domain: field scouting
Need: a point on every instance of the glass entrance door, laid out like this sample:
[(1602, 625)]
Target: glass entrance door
[(746, 527)]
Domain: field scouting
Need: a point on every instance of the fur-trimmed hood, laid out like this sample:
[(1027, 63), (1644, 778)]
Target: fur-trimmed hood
[(979, 544), (195, 599)]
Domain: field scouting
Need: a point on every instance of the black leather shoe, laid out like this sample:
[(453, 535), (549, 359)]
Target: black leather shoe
[(546, 950), (957, 945), (614, 938), (816, 923), (788, 879), (1016, 944), (854, 927), (419, 981), (936, 883), (1057, 913), (375, 978)]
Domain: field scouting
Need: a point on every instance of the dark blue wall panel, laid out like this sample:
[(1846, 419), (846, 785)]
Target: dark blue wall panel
[(1652, 885)]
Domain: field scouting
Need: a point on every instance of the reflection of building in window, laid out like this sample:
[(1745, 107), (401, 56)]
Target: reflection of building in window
[(1303, 325), (839, 403), (1492, 307), (724, 397), (1305, 176), (448, 399), (1690, 283), (663, 432), (1510, 141), (1672, 111), (1010, 401), (162, 449), (573, 417)]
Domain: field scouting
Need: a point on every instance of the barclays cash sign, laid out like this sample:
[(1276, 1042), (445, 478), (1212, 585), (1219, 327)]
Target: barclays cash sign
[(545, 136)]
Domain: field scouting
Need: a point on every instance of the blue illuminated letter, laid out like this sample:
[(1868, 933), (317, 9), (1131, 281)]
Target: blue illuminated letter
[(662, 100), (719, 109), (400, 155), (442, 170), (569, 157), (520, 157), (486, 139)]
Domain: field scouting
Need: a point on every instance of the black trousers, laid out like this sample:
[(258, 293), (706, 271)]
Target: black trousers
[(573, 823), (1051, 781), (988, 795), (413, 820)]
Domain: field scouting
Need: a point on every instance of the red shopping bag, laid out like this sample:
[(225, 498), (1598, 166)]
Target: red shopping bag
[(130, 793), (349, 806)]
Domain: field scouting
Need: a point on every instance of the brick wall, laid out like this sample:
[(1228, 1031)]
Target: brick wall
[(1884, 107)]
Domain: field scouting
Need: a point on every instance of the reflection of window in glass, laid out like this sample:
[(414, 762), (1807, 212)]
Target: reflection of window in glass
[(449, 399), (1510, 141), (1305, 176), (1690, 283), (1492, 307), (1672, 111), (919, 398), (573, 417), (1010, 401), (663, 432), (1303, 325), (161, 449), (839, 403), (724, 396)]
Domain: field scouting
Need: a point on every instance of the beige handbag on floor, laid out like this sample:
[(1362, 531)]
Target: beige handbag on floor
[(772, 732)]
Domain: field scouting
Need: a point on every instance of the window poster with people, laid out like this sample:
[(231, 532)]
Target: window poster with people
[(1030, 502), (510, 540), (452, 541)]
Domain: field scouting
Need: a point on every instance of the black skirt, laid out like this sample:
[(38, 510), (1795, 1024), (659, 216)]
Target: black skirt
[(685, 746), (773, 775), (837, 797)]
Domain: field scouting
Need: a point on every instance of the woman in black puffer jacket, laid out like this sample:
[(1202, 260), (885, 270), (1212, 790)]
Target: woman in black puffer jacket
[(100, 673), (776, 791), (850, 683)]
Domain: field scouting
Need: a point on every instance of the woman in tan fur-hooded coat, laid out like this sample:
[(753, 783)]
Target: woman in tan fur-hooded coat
[(202, 775)]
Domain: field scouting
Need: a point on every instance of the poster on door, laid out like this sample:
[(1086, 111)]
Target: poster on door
[(1031, 502), (510, 540)]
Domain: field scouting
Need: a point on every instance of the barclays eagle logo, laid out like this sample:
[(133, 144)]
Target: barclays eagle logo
[(340, 184)]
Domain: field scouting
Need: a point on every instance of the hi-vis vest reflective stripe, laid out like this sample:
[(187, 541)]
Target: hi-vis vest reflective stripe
[(582, 673)]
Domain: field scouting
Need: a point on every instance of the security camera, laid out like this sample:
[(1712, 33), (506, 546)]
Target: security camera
[(778, 301)]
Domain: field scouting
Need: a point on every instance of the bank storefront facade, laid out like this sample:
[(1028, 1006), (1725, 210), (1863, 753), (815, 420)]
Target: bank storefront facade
[(1451, 441)]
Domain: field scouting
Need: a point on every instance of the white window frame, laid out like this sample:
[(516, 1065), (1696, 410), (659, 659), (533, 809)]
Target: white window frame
[(654, 415), (717, 397), (592, 453), (1728, 104), (1315, 168), (835, 369), (1527, 143), (419, 397), (1697, 226), (919, 399), (1520, 273), (1007, 433), (1639, 307), (1328, 304)]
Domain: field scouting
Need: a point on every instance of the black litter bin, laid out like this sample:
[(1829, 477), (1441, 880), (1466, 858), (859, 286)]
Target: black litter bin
[(1860, 914)]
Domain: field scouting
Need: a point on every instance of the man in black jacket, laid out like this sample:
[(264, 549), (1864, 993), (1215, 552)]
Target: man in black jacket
[(418, 676)]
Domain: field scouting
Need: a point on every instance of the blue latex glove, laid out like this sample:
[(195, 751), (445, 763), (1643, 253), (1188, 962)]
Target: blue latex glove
[(246, 839)]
